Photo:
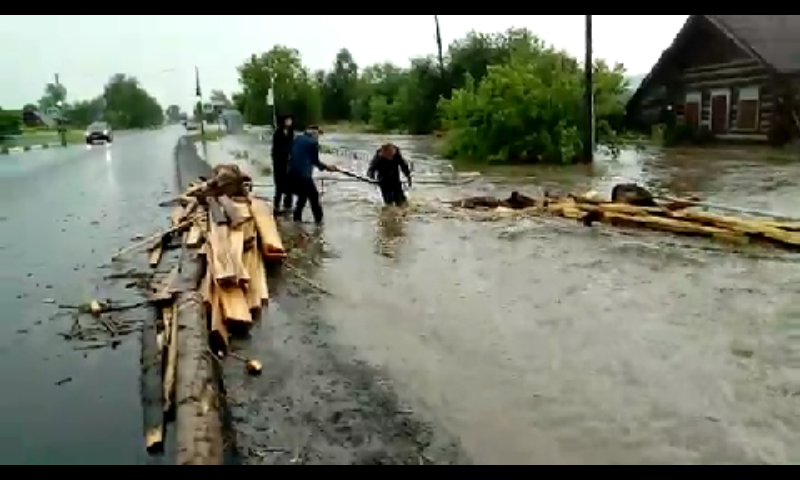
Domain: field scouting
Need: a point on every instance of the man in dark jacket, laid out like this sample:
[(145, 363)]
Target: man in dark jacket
[(386, 167), (282, 141), (304, 158)]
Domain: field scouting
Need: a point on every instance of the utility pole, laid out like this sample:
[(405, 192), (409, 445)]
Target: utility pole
[(588, 97), (62, 133), (199, 107), (439, 45), (271, 102)]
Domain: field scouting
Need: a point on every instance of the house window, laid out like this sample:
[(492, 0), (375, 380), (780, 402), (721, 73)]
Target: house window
[(691, 110), (748, 111)]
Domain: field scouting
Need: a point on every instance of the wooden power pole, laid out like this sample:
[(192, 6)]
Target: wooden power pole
[(62, 133), (588, 97), (199, 94), (439, 45)]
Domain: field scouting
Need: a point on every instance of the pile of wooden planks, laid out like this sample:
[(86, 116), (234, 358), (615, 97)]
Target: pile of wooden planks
[(226, 237), (237, 234), (679, 217)]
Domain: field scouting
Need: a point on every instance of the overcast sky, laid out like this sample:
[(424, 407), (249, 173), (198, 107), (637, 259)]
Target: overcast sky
[(162, 50)]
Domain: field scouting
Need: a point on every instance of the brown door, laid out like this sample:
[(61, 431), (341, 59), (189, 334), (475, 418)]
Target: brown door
[(691, 112), (719, 113)]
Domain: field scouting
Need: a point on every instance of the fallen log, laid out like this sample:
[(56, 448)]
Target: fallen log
[(151, 387), (171, 364), (198, 419)]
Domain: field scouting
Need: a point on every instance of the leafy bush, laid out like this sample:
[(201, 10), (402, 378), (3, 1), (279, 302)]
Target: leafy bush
[(10, 123)]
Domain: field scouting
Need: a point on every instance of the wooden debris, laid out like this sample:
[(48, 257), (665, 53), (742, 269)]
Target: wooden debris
[(151, 388), (269, 238), (171, 364), (637, 208), (156, 252)]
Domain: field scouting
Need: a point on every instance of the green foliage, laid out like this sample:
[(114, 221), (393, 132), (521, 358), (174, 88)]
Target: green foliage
[(501, 97), (295, 91), (530, 108), (128, 105), (10, 123), (174, 114), (84, 113)]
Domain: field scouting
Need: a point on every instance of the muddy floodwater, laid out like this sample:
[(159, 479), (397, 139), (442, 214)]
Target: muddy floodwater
[(544, 342)]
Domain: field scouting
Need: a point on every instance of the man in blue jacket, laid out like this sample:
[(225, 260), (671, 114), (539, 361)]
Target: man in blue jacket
[(305, 157)]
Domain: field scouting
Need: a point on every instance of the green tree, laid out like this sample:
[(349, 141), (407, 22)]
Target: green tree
[(529, 109), (128, 105), (85, 112), (53, 94), (10, 123), (294, 91), (340, 88), (173, 114)]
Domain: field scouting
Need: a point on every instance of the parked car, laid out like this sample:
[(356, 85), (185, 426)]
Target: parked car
[(192, 126), (99, 131)]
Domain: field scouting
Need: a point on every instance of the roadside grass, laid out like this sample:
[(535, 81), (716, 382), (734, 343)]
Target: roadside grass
[(210, 135), (31, 138)]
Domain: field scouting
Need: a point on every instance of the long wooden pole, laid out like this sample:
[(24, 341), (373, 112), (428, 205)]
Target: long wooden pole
[(588, 97), (439, 45)]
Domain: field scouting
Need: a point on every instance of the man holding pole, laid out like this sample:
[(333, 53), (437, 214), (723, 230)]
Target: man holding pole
[(385, 168), (305, 157)]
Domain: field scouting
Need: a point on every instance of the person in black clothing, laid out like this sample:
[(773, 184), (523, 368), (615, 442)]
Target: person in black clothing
[(282, 141), (385, 168)]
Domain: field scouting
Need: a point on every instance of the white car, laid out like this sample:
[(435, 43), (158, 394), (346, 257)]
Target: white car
[(99, 131)]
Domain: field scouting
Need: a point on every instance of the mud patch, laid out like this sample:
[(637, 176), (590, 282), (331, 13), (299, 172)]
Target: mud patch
[(317, 404)]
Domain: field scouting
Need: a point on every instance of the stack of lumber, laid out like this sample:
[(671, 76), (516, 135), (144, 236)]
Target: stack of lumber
[(237, 234), (234, 236), (675, 216)]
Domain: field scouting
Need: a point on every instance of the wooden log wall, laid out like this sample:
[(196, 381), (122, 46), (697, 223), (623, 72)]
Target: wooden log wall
[(734, 75)]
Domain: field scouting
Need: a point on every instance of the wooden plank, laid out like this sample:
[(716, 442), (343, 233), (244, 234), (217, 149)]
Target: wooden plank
[(231, 211), (234, 306), (219, 338), (236, 241), (257, 290), (269, 239), (718, 66), (216, 212), (220, 254), (195, 236), (232, 300), (155, 254)]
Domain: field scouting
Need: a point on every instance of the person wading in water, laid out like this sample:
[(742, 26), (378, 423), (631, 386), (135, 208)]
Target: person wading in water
[(385, 168), (282, 141), (304, 158)]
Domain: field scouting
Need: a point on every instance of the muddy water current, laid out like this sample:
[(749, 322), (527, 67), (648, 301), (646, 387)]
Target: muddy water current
[(539, 341)]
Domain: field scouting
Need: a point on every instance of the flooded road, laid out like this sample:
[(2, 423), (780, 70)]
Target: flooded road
[(542, 342)]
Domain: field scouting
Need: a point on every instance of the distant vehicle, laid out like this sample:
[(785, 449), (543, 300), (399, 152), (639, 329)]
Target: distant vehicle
[(99, 131), (192, 126)]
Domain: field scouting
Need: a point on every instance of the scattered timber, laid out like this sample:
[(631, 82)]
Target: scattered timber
[(636, 207)]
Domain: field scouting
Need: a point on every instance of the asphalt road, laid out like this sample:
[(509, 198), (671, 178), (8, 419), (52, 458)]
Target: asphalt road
[(63, 213)]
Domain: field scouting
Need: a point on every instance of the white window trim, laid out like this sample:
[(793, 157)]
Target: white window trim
[(749, 94), (721, 92)]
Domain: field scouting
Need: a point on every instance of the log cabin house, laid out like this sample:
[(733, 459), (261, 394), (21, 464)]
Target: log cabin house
[(734, 77)]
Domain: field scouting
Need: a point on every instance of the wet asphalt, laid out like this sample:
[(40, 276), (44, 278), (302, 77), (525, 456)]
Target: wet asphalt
[(63, 213)]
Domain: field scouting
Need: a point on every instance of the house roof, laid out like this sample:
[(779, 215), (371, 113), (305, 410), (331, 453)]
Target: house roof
[(774, 40)]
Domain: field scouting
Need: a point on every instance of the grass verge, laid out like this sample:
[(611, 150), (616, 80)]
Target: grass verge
[(209, 136)]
